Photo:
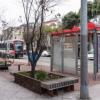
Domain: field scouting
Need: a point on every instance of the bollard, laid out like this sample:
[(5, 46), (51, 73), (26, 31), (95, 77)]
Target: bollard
[(18, 67)]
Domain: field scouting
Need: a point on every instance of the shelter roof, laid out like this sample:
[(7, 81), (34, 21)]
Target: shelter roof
[(76, 30)]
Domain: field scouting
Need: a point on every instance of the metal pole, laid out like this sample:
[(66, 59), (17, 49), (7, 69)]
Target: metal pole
[(76, 53), (84, 92), (52, 53), (95, 54), (62, 53)]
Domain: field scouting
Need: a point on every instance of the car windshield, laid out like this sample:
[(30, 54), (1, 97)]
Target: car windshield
[(18, 46), (90, 52)]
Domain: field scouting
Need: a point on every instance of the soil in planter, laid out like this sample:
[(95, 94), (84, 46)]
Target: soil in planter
[(42, 75), (3, 63)]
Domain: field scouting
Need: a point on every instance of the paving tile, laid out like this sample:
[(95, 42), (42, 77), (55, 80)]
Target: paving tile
[(11, 91)]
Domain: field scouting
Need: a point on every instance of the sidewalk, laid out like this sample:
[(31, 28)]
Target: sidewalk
[(11, 91)]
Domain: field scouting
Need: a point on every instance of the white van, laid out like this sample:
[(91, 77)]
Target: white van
[(91, 54)]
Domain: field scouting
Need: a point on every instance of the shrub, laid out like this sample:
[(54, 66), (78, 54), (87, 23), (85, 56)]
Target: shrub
[(41, 75)]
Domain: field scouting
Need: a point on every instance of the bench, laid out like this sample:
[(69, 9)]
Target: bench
[(65, 83)]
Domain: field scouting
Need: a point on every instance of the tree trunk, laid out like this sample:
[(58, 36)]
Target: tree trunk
[(33, 61), (33, 66), (27, 50)]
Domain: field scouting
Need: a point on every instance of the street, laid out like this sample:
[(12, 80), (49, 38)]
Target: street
[(42, 60), (46, 61)]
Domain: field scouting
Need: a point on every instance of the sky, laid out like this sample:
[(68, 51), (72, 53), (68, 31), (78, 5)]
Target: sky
[(10, 10)]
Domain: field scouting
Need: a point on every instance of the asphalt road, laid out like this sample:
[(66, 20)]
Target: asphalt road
[(46, 61), (42, 60)]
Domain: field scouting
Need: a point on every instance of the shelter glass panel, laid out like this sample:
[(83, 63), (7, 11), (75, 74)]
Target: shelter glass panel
[(57, 59), (70, 55)]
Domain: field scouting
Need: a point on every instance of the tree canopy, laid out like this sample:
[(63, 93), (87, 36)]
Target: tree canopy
[(70, 19), (93, 9)]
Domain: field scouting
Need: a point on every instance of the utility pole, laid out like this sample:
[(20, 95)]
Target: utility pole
[(84, 92)]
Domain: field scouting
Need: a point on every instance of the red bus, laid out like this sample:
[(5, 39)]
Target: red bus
[(12, 47)]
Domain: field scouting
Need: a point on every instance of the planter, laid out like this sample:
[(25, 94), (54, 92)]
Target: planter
[(28, 82), (48, 86), (3, 67)]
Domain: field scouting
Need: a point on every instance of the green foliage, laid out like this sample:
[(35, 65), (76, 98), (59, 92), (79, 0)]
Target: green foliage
[(5, 63), (49, 29), (4, 55), (41, 75), (90, 15), (70, 19), (2, 62), (93, 9)]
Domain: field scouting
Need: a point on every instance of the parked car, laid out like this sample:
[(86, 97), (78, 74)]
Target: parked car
[(46, 53), (90, 55)]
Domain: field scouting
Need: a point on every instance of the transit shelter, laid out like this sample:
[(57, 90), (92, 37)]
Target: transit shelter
[(65, 49)]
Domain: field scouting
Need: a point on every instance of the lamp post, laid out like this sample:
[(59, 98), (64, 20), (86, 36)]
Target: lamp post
[(84, 92)]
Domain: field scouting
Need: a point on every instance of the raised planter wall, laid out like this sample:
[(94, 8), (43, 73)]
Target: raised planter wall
[(29, 83), (49, 86)]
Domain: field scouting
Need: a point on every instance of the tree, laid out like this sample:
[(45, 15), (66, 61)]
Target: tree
[(6, 34), (5, 28), (70, 19), (34, 35), (93, 9), (90, 13), (50, 29)]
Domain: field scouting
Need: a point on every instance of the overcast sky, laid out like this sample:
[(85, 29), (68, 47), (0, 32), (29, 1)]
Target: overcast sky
[(12, 9)]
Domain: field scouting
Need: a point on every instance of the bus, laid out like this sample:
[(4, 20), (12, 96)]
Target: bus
[(12, 47)]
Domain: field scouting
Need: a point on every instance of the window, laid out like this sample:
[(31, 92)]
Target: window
[(18, 46), (3, 46), (11, 46)]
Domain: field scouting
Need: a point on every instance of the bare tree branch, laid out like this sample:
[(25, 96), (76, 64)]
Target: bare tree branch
[(30, 9), (34, 35)]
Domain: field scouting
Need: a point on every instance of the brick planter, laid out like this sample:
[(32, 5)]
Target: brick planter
[(48, 86), (3, 67), (28, 82)]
